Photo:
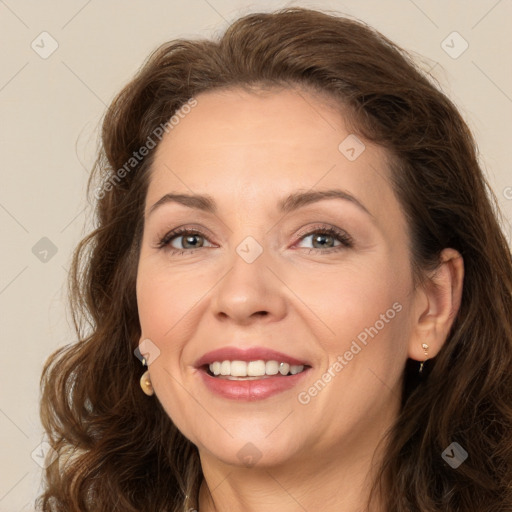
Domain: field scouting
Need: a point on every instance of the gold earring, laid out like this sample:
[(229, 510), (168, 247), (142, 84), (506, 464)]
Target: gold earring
[(424, 346), (145, 383)]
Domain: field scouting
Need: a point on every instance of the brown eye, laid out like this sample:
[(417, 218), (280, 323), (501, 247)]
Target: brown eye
[(323, 240), (190, 241)]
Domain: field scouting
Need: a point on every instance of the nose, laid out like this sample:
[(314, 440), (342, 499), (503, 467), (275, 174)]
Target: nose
[(249, 292)]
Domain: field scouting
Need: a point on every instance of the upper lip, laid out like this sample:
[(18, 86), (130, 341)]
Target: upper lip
[(248, 354)]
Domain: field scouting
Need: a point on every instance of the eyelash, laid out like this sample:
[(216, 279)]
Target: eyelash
[(344, 238)]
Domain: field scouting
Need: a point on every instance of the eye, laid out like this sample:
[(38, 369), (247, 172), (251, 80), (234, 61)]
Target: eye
[(190, 240), (324, 237)]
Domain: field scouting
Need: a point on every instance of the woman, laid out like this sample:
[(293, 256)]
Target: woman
[(296, 241)]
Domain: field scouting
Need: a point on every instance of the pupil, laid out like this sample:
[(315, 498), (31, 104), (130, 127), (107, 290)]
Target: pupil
[(189, 238), (319, 237)]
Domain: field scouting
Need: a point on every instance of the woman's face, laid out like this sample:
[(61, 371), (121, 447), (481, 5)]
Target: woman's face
[(273, 278)]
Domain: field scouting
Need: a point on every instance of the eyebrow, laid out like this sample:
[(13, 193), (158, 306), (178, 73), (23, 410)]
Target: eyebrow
[(291, 203)]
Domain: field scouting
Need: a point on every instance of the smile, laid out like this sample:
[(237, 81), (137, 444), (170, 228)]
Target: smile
[(249, 374), (247, 370)]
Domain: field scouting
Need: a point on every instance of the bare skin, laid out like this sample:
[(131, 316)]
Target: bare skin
[(305, 295)]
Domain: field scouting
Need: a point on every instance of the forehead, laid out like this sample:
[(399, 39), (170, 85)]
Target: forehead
[(282, 120), (244, 146)]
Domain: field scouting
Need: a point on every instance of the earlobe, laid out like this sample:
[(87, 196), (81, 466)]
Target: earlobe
[(437, 305)]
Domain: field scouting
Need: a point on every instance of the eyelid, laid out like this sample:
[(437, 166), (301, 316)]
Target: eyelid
[(163, 233)]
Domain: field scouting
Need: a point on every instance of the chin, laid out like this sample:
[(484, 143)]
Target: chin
[(251, 451)]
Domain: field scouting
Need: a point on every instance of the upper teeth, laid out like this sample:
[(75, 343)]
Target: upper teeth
[(253, 368)]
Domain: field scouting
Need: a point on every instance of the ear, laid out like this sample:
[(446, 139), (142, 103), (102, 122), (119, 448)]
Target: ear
[(436, 303)]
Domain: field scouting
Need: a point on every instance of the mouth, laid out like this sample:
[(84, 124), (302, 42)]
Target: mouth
[(252, 370), (250, 374)]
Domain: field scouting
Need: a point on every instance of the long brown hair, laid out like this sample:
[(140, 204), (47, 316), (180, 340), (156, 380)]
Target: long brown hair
[(118, 449)]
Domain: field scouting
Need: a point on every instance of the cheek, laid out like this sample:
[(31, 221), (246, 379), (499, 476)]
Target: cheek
[(364, 319), (349, 298), (165, 299), (365, 355), (165, 302)]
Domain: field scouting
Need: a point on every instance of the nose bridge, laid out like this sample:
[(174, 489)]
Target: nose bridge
[(248, 287)]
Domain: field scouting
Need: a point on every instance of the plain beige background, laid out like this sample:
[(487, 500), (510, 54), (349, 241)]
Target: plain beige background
[(50, 109)]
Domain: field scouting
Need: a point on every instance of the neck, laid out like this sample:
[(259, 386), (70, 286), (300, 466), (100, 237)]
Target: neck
[(339, 480)]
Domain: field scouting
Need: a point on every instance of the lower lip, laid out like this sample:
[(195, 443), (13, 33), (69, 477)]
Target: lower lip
[(249, 390)]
